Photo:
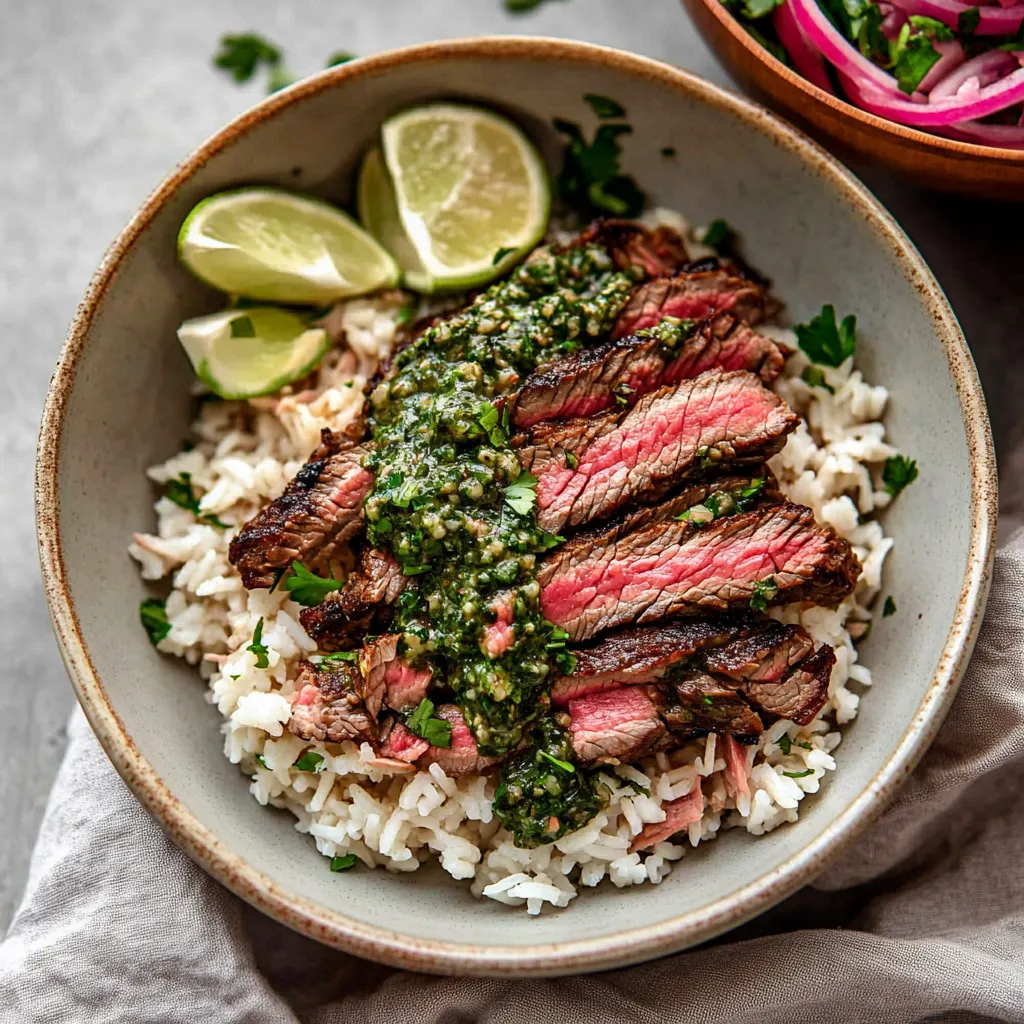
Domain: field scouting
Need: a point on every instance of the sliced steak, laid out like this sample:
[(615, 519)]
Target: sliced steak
[(624, 370), (691, 296), (387, 679), (801, 694), (462, 757), (328, 707), (623, 724), (319, 511), (697, 703), (658, 253), (696, 427), (765, 655), (401, 744), (679, 814), (673, 568), (737, 774)]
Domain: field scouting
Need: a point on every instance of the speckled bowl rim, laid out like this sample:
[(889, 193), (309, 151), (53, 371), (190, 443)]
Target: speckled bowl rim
[(632, 944), (952, 147)]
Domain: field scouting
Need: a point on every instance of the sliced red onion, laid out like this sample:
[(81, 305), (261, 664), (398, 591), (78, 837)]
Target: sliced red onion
[(951, 56), (806, 59), (992, 21), (990, 100), (986, 68), (1006, 136)]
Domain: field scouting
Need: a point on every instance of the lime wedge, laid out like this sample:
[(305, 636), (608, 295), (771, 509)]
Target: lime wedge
[(244, 353), (378, 210), (272, 245), (468, 187)]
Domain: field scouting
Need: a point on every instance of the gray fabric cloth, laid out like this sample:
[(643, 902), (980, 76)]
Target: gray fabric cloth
[(923, 919)]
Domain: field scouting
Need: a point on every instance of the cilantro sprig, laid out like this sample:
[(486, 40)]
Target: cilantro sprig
[(495, 424), (604, 107), (436, 731), (520, 495), (344, 863), (308, 589), (889, 608), (311, 761), (153, 615), (898, 472), (258, 647), (182, 493), (826, 342), (243, 55), (764, 591)]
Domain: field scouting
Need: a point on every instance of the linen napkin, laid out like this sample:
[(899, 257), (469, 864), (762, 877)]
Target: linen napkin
[(921, 920)]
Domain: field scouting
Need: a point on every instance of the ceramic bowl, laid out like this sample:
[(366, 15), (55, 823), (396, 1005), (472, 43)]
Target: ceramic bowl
[(119, 402), (984, 171)]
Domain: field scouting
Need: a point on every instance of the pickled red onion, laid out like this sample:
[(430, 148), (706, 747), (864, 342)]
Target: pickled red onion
[(992, 21), (807, 60)]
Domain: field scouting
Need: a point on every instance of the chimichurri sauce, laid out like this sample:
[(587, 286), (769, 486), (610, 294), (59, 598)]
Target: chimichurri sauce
[(452, 505)]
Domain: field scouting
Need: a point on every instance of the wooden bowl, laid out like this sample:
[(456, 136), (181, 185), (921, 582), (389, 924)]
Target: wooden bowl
[(852, 133)]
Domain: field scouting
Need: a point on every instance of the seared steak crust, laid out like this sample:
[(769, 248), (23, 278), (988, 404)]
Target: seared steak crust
[(801, 694), (319, 511), (328, 707), (673, 568), (658, 253), (700, 426)]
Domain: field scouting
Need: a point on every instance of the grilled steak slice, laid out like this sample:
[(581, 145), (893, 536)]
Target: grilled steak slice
[(673, 568), (347, 614), (679, 814), (763, 656), (658, 253), (801, 694), (625, 370), (319, 510), (401, 744), (691, 296), (388, 679), (328, 707), (699, 703), (622, 723), (462, 757), (691, 429)]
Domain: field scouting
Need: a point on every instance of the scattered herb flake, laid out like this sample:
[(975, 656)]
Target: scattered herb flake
[(520, 495), (488, 418), (915, 56), (258, 647), (310, 761), (557, 762), (799, 775), (308, 589), (241, 55), (181, 492), (153, 615), (825, 342), (236, 678), (501, 254), (590, 176), (718, 234), (889, 608), (436, 731), (343, 863), (668, 151), (261, 761), (784, 743), (340, 656), (815, 377), (709, 702), (603, 107), (405, 314), (566, 662), (764, 591), (339, 57), (899, 471), (571, 461), (279, 574)]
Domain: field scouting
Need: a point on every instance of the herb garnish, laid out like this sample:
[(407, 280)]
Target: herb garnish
[(343, 863), (436, 731), (571, 461), (603, 107), (889, 608), (487, 417), (242, 55), (339, 57), (590, 176), (258, 647), (180, 491), (718, 234), (913, 54), (815, 377), (764, 591), (967, 21), (339, 656), (262, 761), (898, 472), (310, 761), (785, 744), (520, 495), (668, 151), (557, 762), (153, 615), (799, 775), (308, 589), (825, 342)]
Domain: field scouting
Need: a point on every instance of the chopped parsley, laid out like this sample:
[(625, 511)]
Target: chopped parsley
[(825, 342), (799, 775), (153, 615), (308, 589), (571, 461), (764, 591), (520, 495), (436, 731), (967, 21), (591, 178), (488, 418), (785, 744), (181, 492), (889, 608), (242, 55), (259, 648), (718, 234), (310, 761), (521, 6), (815, 377), (242, 327), (557, 762), (340, 656), (603, 107), (566, 662), (262, 761), (898, 472), (405, 314), (345, 863), (913, 53), (279, 574)]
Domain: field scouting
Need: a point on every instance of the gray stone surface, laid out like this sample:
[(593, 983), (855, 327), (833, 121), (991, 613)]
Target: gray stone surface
[(102, 97)]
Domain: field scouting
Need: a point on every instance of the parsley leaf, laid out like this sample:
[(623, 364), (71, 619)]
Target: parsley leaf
[(180, 491), (590, 176), (571, 461), (339, 57), (826, 343), (153, 615), (718, 234), (915, 56), (242, 55), (799, 775), (520, 495), (343, 863), (785, 744), (603, 107), (242, 327), (310, 761), (557, 762), (546, 541), (566, 662), (899, 471), (487, 416), (815, 377), (258, 647), (262, 762), (435, 731), (889, 608), (501, 254), (340, 656), (764, 591), (967, 21), (308, 589)]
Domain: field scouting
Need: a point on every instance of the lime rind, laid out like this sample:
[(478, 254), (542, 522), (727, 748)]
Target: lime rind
[(272, 245), (277, 347)]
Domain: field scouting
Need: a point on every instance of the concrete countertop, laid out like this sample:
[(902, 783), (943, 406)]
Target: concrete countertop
[(102, 97)]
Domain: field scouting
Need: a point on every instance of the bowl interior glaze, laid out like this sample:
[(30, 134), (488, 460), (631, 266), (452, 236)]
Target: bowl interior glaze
[(119, 402)]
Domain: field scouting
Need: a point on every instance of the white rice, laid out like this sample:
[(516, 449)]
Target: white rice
[(244, 455)]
